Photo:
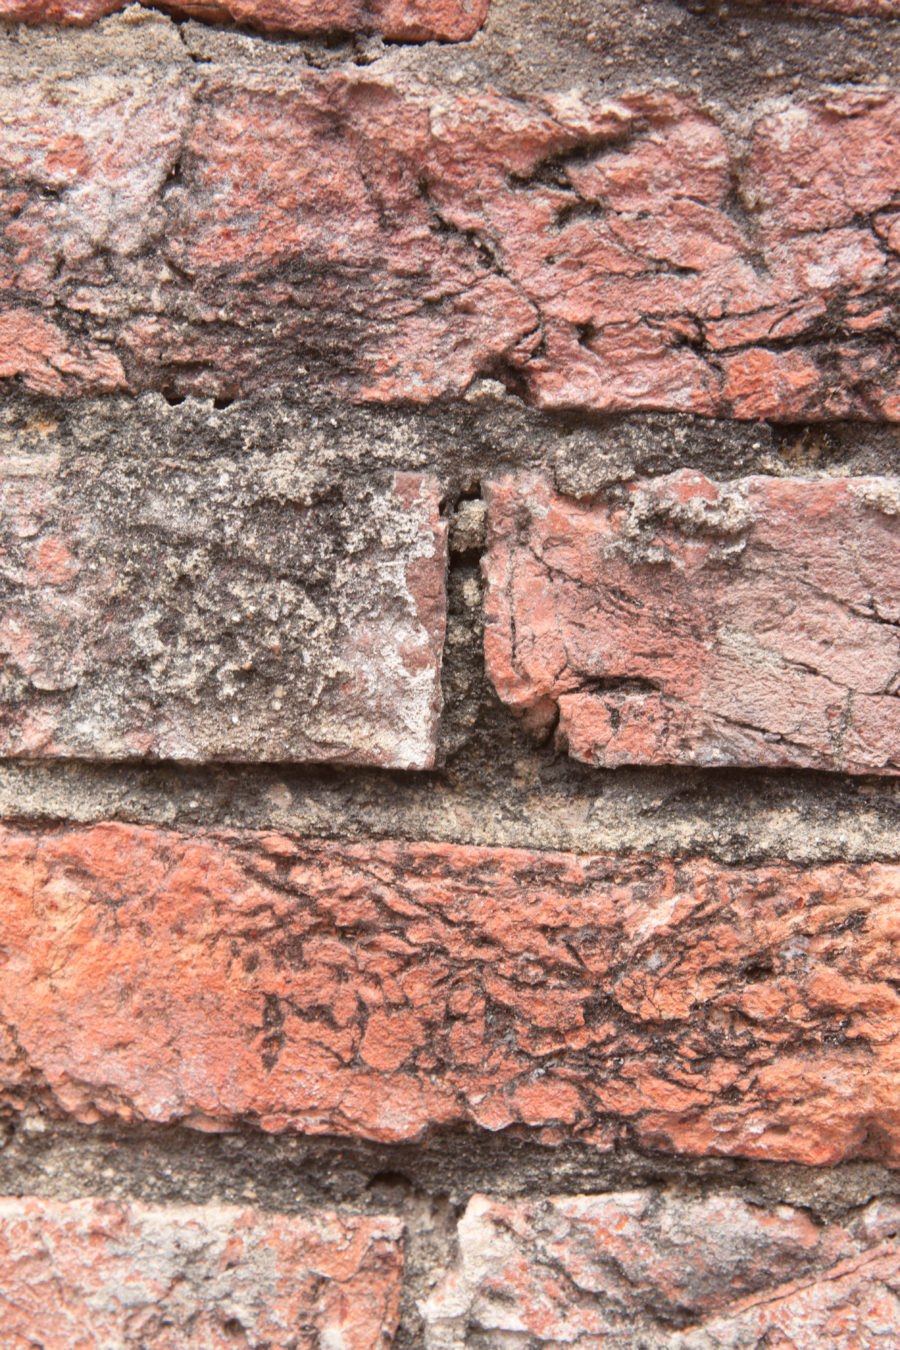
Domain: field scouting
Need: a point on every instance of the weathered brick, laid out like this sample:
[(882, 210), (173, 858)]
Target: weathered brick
[(689, 622), (393, 241), (396, 20), (381, 989), (92, 1273), (629, 1269), (236, 605)]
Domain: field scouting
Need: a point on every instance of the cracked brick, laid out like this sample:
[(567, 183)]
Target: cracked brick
[(394, 242), (682, 621)]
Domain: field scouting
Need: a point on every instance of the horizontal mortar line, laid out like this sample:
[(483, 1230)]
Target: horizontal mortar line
[(765, 815), (504, 1163)]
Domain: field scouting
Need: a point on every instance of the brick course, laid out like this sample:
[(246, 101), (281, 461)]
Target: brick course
[(394, 244), (384, 989)]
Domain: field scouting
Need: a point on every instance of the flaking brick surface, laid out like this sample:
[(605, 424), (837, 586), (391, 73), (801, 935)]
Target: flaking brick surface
[(226, 227), (396, 20), (629, 1269), (381, 990)]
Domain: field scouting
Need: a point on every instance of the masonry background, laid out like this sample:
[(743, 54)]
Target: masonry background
[(492, 785)]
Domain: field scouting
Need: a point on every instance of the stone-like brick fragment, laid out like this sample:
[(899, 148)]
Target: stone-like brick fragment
[(245, 606), (628, 1269), (396, 20), (688, 622), (92, 1273), (393, 241), (381, 989)]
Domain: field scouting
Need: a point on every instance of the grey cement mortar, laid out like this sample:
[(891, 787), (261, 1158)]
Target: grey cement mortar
[(290, 1173), (463, 442), (533, 799)]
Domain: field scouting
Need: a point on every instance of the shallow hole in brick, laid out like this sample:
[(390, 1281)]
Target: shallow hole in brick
[(390, 1181), (757, 971)]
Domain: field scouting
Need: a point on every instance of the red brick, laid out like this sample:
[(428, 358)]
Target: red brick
[(381, 989), (688, 622), (627, 1269), (396, 20), (242, 606), (394, 242), (80, 1274)]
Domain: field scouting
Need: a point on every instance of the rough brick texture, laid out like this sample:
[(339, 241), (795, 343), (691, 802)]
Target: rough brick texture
[(380, 989), (222, 229), (245, 606), (689, 622), (630, 1269), (397, 20), (87, 1274)]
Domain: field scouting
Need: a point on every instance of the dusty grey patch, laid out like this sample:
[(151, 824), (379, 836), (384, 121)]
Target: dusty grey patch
[(201, 605)]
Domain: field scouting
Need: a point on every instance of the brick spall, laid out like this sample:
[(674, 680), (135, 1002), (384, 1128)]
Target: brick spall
[(219, 608), (630, 1269), (686, 621)]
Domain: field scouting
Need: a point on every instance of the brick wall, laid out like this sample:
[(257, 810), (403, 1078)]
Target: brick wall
[(449, 675)]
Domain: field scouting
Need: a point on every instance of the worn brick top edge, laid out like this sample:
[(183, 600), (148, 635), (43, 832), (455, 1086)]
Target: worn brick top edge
[(413, 21)]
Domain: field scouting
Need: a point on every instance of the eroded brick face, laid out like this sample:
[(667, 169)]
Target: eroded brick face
[(396, 20), (245, 606), (80, 1274), (683, 621), (393, 242), (381, 989), (629, 1269)]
